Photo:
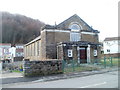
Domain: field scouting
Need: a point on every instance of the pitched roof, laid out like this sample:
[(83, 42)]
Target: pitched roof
[(112, 38), (59, 26), (37, 38), (75, 15), (49, 27)]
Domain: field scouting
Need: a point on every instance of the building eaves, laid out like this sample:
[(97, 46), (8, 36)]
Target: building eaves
[(37, 38), (79, 43), (94, 31), (49, 27), (112, 38), (67, 19)]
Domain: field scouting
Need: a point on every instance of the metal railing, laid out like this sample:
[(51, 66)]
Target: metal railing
[(96, 64)]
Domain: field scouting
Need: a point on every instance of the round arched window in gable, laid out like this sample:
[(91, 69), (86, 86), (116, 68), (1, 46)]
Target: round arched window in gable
[(74, 27)]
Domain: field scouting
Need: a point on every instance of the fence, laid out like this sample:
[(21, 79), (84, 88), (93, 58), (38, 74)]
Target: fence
[(97, 64), (66, 65)]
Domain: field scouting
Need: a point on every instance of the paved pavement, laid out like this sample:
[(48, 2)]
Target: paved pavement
[(104, 80), (11, 78), (8, 78)]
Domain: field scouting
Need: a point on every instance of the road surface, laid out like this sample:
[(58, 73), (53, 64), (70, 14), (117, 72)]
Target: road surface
[(105, 80)]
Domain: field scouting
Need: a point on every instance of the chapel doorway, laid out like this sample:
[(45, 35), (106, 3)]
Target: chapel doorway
[(83, 55)]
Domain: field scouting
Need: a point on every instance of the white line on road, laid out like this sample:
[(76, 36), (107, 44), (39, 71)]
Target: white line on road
[(93, 85), (10, 77)]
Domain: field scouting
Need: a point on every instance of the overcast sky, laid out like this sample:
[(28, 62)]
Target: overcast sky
[(102, 15)]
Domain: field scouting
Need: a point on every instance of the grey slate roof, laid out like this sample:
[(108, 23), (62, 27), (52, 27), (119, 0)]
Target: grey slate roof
[(49, 27), (34, 40), (112, 38)]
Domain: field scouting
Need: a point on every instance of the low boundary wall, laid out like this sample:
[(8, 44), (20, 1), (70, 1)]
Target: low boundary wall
[(42, 68)]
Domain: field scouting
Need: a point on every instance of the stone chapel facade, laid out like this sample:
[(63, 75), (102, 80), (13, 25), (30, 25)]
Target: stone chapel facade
[(71, 39)]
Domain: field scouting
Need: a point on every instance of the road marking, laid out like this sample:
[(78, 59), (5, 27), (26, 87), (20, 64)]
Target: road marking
[(93, 85), (10, 77)]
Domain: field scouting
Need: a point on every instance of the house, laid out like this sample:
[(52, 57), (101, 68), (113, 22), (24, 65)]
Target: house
[(71, 39), (11, 53), (111, 46), (5, 51), (17, 52)]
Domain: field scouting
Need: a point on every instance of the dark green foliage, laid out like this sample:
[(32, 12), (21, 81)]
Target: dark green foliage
[(19, 29)]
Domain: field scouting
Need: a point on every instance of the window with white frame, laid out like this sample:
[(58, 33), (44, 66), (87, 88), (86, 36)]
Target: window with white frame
[(74, 36), (70, 54), (95, 52), (75, 26), (108, 50)]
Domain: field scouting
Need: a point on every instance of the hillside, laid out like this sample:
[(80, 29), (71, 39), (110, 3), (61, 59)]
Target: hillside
[(19, 29)]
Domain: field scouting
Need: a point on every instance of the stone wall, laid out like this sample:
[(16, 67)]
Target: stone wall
[(18, 59), (43, 46), (63, 52), (90, 38), (12, 65), (95, 59), (41, 68), (60, 52), (50, 45), (51, 52)]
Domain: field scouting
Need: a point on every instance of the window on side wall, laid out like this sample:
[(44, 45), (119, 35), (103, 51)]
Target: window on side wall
[(70, 54), (108, 50)]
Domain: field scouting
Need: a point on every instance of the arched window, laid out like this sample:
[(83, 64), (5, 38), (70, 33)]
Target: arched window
[(75, 34), (74, 27)]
